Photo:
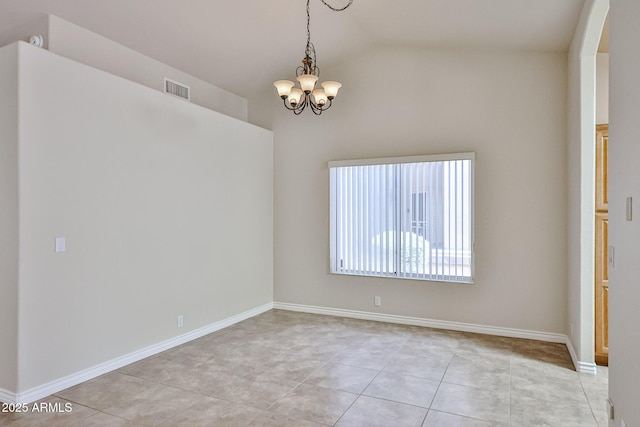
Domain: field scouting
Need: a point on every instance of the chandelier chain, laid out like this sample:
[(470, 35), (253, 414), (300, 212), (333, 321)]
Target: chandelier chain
[(307, 52), (310, 49)]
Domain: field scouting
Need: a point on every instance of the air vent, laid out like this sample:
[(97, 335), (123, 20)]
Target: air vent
[(176, 89)]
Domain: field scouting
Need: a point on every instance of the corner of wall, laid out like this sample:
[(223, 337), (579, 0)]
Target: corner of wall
[(8, 218), (23, 31)]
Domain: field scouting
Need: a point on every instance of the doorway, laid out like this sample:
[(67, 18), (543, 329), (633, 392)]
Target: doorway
[(601, 247), (601, 214)]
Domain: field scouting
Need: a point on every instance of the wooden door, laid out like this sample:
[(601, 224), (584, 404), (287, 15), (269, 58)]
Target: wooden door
[(601, 249)]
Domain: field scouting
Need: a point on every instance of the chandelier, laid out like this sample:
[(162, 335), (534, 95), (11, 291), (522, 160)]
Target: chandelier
[(307, 74)]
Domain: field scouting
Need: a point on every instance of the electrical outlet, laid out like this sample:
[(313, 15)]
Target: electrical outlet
[(377, 301), (180, 321)]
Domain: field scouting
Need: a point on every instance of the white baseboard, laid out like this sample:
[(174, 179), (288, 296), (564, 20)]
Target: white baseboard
[(587, 368), (6, 396), (429, 323), (582, 367), (111, 365)]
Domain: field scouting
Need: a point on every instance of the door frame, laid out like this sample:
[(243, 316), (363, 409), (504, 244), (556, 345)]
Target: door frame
[(581, 186)]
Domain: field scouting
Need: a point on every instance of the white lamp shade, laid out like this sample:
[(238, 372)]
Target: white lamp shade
[(331, 88), (295, 95), (320, 97), (283, 87), (307, 82)]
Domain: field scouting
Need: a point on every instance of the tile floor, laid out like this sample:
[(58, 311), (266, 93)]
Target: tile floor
[(301, 370)]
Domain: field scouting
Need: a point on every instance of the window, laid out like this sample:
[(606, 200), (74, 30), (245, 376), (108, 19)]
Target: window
[(406, 217)]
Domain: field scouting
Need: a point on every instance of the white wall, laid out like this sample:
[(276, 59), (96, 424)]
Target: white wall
[(510, 108), (602, 88), (8, 217), (166, 207), (81, 45), (74, 42), (624, 181)]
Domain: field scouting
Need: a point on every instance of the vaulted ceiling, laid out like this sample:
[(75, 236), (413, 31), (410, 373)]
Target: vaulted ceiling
[(244, 45)]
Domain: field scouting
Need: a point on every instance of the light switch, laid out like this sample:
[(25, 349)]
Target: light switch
[(629, 208), (61, 244)]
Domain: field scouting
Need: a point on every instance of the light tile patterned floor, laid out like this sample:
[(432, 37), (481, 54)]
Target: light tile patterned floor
[(301, 370)]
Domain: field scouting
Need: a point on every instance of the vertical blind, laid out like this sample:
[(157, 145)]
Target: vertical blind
[(409, 217)]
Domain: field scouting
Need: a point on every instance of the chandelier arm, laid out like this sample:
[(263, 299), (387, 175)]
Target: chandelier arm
[(284, 101), (288, 106), (300, 106), (317, 109), (337, 9), (329, 105)]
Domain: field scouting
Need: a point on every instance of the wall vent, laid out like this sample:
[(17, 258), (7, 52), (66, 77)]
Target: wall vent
[(177, 89)]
